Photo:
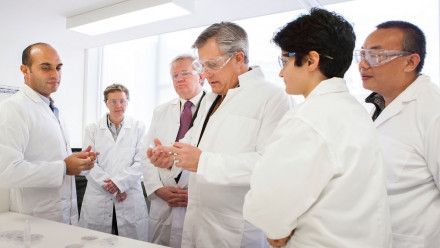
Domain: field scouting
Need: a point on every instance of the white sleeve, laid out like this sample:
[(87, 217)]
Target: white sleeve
[(15, 171), (96, 175), (432, 148), (152, 180), (296, 167)]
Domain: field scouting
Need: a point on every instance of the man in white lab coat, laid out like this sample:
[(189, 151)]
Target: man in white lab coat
[(407, 116), (36, 160), (114, 201), (227, 140), (321, 182), (169, 195)]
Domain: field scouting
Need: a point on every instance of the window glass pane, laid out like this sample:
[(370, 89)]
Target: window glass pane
[(143, 65)]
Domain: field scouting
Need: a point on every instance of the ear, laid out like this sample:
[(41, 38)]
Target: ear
[(25, 70), (411, 62), (239, 57), (201, 78), (312, 61)]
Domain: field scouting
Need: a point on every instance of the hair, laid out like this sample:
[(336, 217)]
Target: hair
[(26, 58), (414, 40), (322, 31), (230, 38), (179, 58), (113, 88)]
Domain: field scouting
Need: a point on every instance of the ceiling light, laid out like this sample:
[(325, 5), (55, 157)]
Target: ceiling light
[(127, 14)]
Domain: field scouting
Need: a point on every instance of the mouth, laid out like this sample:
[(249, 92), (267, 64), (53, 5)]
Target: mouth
[(365, 77)]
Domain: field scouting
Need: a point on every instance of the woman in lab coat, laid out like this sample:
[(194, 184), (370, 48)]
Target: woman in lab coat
[(114, 183)]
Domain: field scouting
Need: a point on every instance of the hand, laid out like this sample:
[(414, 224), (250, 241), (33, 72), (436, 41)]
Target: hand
[(110, 187), (175, 197), (280, 242), (187, 155), (160, 158), (77, 162), (121, 196), (181, 200)]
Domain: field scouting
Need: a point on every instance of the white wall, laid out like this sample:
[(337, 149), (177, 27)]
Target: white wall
[(69, 97)]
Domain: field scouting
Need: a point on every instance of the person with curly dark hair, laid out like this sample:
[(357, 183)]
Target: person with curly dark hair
[(321, 181)]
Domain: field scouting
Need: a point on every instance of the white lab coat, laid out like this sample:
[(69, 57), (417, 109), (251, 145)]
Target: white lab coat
[(232, 143), (166, 223), (409, 129), (322, 175), (120, 161), (33, 146)]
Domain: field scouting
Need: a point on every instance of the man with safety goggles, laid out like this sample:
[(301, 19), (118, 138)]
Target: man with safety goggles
[(407, 117), (227, 140)]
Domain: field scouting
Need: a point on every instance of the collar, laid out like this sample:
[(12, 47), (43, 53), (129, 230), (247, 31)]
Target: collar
[(194, 100), (110, 123), (32, 94), (249, 76), (331, 85)]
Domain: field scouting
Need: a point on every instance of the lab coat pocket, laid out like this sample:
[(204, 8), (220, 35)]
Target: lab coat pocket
[(405, 241), (396, 155)]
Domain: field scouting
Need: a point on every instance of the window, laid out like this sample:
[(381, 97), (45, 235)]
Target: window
[(143, 65)]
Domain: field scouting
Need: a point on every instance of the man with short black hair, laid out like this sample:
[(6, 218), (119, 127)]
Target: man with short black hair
[(407, 117), (36, 159)]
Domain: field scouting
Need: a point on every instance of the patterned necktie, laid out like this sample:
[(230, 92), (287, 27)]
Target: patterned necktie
[(185, 120), (54, 109)]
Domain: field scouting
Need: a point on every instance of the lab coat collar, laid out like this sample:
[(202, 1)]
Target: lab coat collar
[(408, 95), (32, 94), (328, 86), (103, 122), (248, 77)]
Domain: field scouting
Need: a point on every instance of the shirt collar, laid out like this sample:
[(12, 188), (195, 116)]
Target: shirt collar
[(110, 123), (194, 100)]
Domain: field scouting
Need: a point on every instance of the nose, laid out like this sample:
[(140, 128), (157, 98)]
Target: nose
[(363, 65), (54, 73), (281, 73), (207, 73)]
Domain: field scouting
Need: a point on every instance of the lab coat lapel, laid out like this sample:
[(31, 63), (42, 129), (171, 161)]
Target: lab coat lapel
[(396, 106), (104, 127), (29, 92), (127, 125), (175, 106)]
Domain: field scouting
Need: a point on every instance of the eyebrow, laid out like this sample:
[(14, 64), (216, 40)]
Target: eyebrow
[(374, 47), (48, 64)]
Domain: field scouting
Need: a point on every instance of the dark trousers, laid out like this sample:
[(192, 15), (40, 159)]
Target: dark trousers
[(114, 223)]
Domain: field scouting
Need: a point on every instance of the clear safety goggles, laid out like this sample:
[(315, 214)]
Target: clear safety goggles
[(376, 57), (113, 102), (211, 65), (184, 74)]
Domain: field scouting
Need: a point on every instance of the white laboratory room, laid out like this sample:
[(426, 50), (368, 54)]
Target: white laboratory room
[(117, 124)]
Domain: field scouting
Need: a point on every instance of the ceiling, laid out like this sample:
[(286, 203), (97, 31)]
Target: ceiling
[(45, 20)]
